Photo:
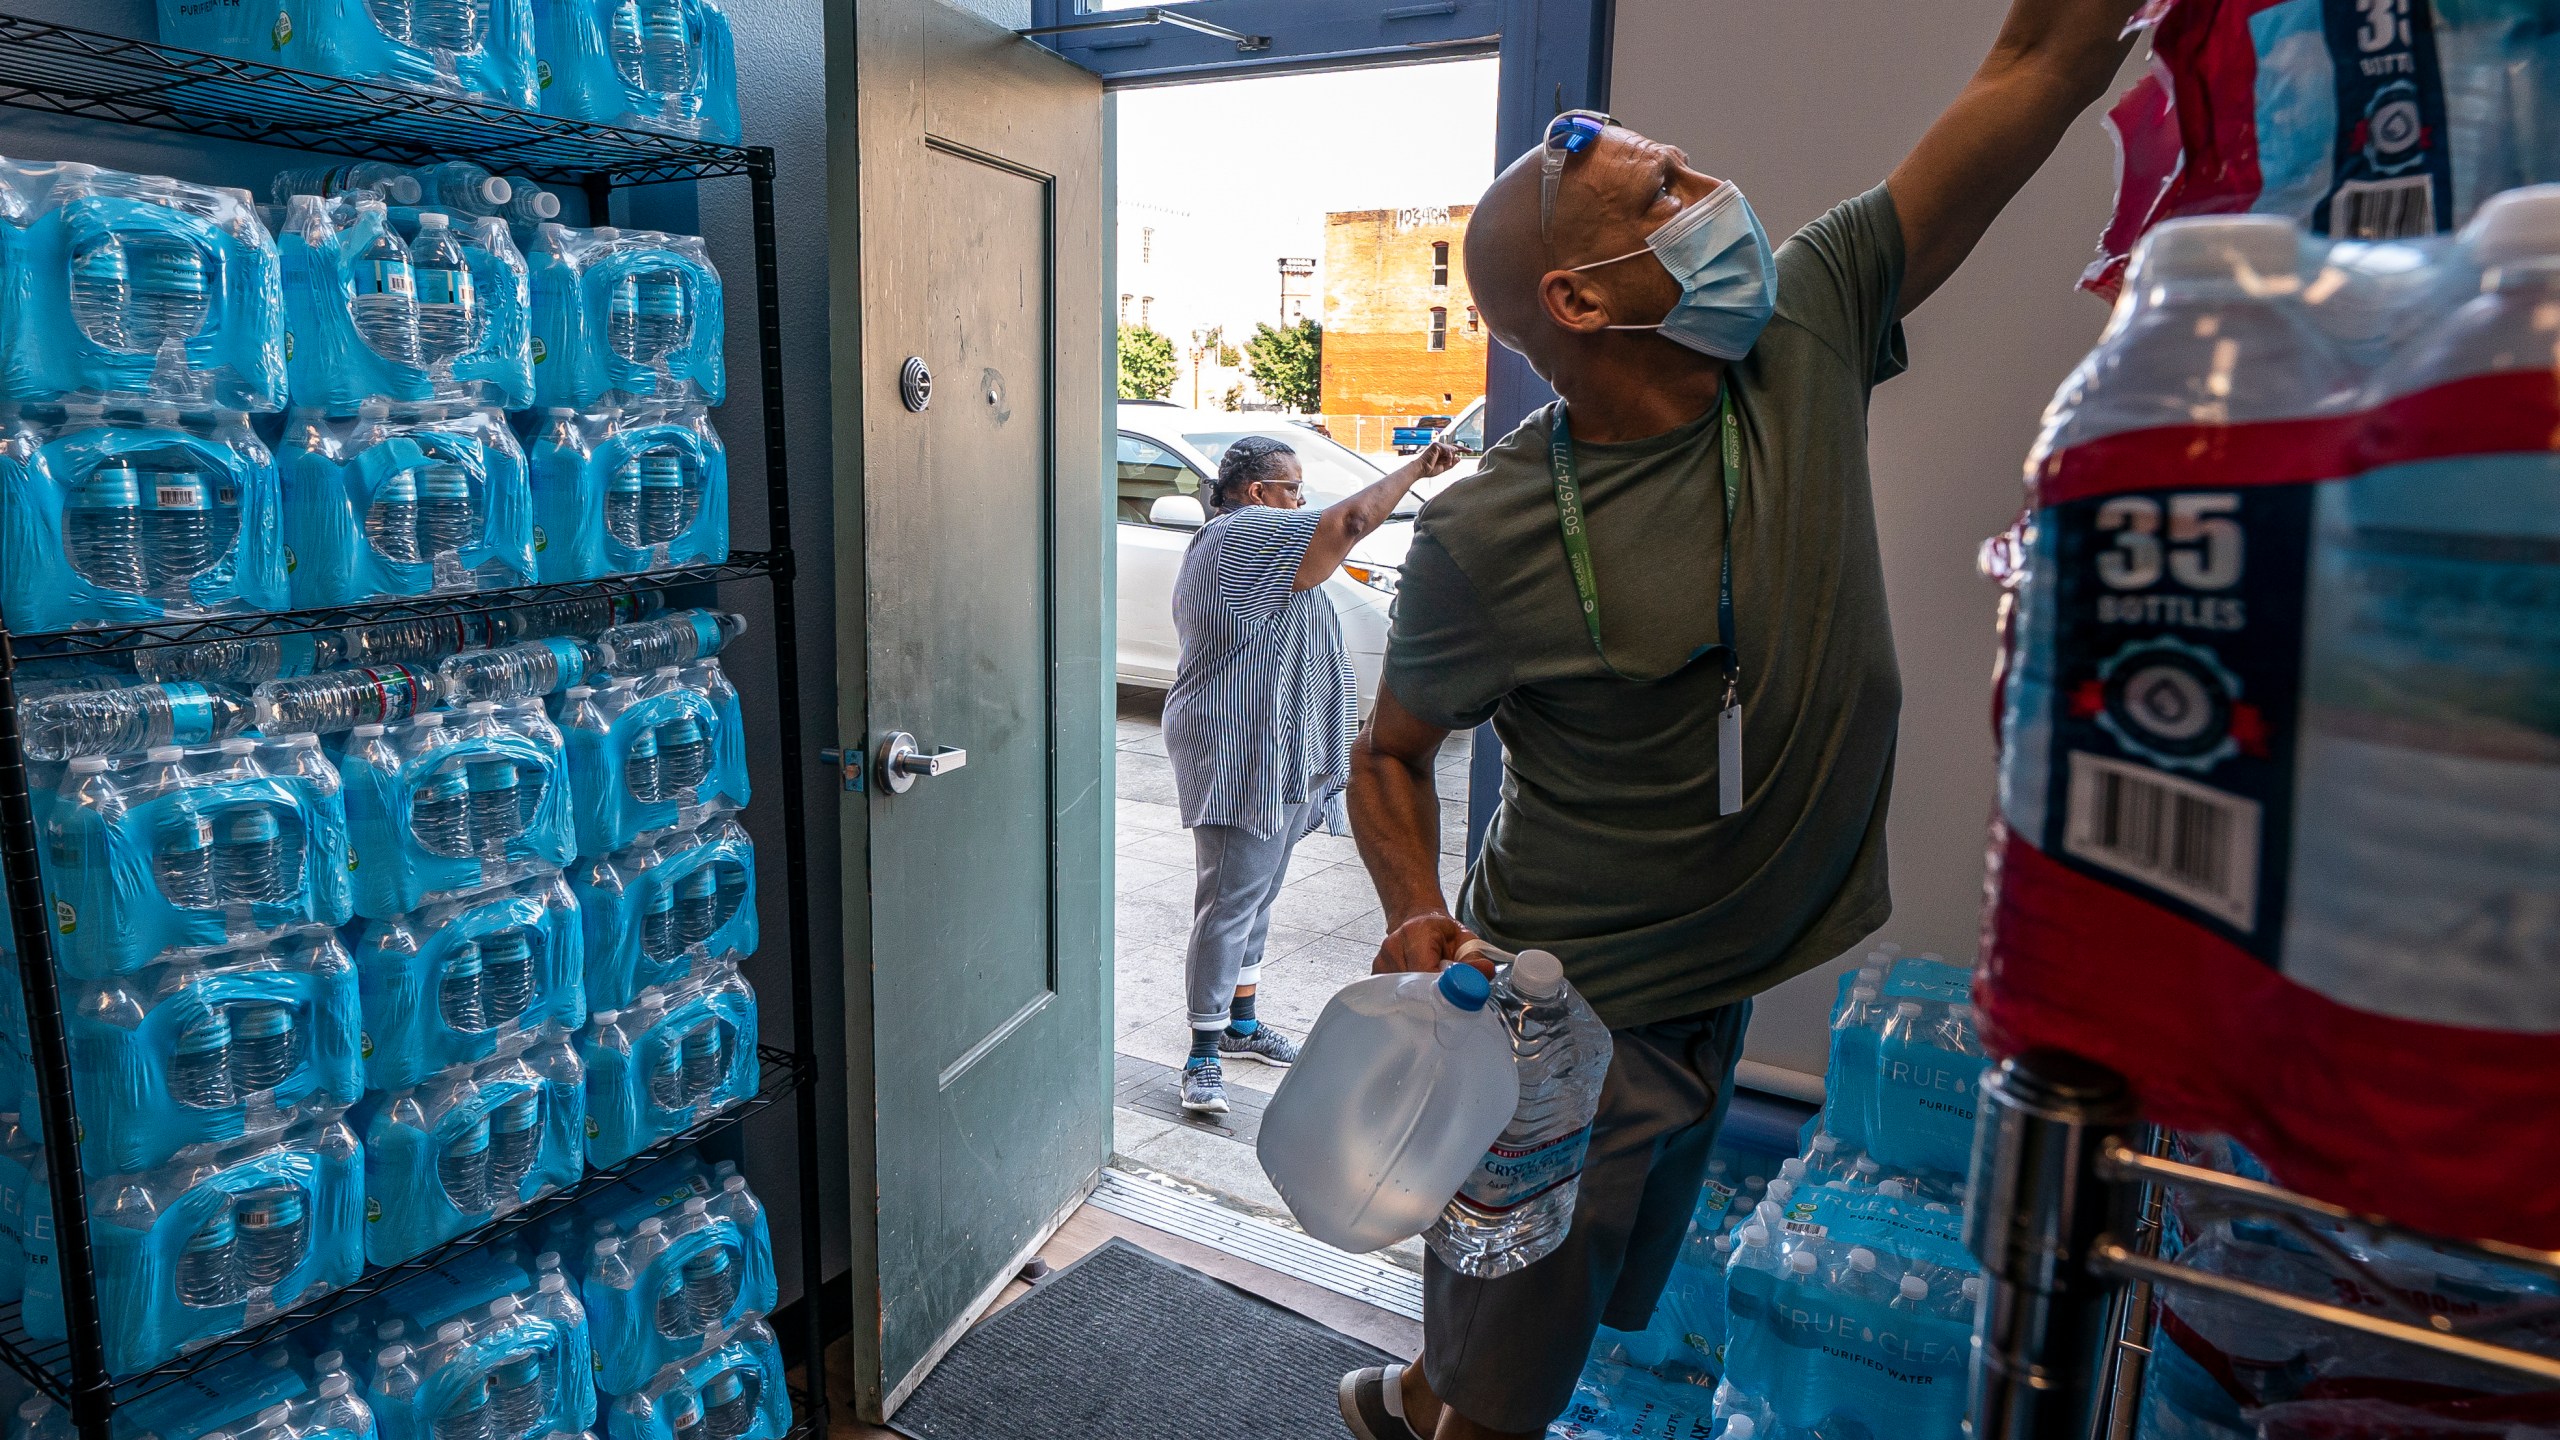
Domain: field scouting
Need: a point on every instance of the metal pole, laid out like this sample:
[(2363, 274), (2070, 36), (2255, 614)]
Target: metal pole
[(30, 916), (795, 800), (2038, 1210)]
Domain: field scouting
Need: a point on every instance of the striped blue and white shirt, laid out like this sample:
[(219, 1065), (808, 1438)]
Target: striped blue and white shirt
[(1264, 703)]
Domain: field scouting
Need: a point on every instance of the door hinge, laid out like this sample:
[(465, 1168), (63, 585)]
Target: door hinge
[(852, 765)]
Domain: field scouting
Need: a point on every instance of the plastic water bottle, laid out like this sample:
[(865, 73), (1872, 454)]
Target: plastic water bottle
[(665, 1076), (463, 1168), (519, 1394), (640, 770), (386, 290), (183, 863), (135, 717), (449, 312), (706, 1054), (528, 204), (651, 45), (262, 1044), (506, 975), (388, 182), (662, 497), (342, 1411), (250, 857), (677, 639), (622, 502), (170, 296), (208, 1276), (684, 1416), (336, 700), (466, 1416), (684, 756), (696, 909), (448, 512), (391, 521), (659, 938), (100, 287), (730, 880), (439, 814), (178, 545), (200, 1065), (647, 315), (243, 662), (496, 815), (460, 185), (1911, 1296), (729, 1403), (1517, 1205), (458, 994), (273, 1224), (518, 672), (102, 527), (515, 1142), (1856, 1276), (1403, 1084)]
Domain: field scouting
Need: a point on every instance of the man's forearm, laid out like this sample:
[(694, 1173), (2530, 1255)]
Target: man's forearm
[(1395, 819)]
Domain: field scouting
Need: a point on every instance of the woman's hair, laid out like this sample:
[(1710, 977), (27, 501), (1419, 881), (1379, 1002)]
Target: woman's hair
[(1248, 462)]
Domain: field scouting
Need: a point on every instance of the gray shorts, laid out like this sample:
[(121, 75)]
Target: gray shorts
[(1505, 1352)]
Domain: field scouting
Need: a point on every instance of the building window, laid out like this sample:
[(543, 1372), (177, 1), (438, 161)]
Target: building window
[(1440, 264), (1147, 245), (1473, 322), (1439, 328), (1147, 311), (1124, 307)]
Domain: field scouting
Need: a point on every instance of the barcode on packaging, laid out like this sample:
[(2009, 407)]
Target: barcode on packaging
[(2187, 840)]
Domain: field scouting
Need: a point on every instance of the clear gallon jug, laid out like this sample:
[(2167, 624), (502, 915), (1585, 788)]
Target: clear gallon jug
[(1402, 1085)]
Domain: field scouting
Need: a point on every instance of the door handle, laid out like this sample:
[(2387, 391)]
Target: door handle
[(903, 762)]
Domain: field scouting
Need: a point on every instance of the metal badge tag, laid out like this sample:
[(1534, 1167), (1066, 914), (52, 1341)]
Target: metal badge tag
[(1729, 758)]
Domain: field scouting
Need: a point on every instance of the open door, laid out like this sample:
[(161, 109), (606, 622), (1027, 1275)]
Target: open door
[(973, 504)]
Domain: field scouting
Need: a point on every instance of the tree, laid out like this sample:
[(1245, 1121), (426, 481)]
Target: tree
[(1146, 364), (1288, 364)]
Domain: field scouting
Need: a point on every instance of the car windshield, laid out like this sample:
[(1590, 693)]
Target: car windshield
[(1333, 472)]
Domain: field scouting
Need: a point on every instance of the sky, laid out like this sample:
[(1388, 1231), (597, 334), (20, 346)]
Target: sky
[(1257, 163)]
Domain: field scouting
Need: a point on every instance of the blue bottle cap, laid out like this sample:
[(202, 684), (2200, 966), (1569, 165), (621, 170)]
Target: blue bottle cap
[(1465, 987)]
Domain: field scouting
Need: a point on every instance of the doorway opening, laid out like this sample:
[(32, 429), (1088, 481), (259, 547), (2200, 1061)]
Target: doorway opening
[(1288, 263)]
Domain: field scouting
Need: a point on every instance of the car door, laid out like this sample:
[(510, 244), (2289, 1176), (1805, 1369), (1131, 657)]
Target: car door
[(1150, 557)]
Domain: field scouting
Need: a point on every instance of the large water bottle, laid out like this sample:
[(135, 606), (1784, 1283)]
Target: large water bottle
[(385, 286), (696, 905), (262, 1045), (208, 1268), (651, 45), (1517, 1205), (463, 1167), (391, 521), (273, 1225), (1403, 1084), (506, 975), (200, 1063), (336, 700), (666, 641), (460, 185), (448, 512), (178, 543), (449, 312), (389, 183), (623, 499), (648, 314), (135, 717), (518, 672), (662, 497), (102, 527)]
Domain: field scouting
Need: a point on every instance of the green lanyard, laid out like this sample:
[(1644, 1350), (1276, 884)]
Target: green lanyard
[(1586, 584)]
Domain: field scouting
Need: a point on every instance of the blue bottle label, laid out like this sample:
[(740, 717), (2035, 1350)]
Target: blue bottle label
[(706, 633), (445, 287), (190, 713), (385, 277)]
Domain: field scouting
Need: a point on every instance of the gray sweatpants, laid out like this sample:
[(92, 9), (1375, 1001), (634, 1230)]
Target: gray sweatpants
[(1237, 876)]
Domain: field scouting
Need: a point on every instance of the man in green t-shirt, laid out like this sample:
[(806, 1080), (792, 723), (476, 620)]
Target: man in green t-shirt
[(1666, 595)]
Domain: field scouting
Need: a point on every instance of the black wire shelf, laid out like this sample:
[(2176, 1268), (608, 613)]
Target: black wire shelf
[(67, 71), (115, 639), (47, 1364)]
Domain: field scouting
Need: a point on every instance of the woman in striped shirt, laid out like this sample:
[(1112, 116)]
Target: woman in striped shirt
[(1259, 724)]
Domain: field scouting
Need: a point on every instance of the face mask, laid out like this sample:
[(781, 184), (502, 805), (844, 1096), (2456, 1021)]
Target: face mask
[(1728, 279)]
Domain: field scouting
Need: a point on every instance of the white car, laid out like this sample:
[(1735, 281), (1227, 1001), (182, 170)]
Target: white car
[(1168, 457)]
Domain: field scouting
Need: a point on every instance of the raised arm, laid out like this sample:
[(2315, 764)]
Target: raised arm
[(2053, 60), (1346, 520), (1395, 817)]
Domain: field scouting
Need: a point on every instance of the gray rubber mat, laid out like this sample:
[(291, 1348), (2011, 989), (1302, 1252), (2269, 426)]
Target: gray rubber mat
[(1124, 1345)]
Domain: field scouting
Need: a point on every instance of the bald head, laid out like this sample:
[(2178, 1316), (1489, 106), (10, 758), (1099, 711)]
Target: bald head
[(1613, 195)]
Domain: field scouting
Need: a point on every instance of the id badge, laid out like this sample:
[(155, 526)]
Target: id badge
[(1729, 759)]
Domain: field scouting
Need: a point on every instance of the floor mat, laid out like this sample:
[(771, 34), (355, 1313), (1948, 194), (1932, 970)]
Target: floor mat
[(1125, 1345)]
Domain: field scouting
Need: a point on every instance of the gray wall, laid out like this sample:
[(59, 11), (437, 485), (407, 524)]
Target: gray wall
[(1802, 106), (783, 94)]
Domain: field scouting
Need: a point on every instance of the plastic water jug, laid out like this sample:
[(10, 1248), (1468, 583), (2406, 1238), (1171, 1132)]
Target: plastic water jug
[(1403, 1084)]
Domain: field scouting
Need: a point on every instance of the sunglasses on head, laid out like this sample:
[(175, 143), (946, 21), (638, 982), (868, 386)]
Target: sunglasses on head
[(1568, 134)]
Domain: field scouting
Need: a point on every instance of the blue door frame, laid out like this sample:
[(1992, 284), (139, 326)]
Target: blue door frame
[(1555, 56)]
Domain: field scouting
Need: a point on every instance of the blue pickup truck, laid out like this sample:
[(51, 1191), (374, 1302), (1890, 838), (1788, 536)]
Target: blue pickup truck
[(1466, 431), (1412, 439)]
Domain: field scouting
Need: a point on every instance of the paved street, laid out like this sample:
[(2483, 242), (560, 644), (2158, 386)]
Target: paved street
[(1325, 929)]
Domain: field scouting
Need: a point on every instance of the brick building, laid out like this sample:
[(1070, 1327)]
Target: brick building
[(1401, 334)]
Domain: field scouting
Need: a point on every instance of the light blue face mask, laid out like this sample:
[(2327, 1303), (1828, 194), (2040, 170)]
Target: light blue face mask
[(1728, 279)]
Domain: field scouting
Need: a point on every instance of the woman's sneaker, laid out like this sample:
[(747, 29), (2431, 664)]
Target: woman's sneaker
[(1204, 1088), (1262, 1044)]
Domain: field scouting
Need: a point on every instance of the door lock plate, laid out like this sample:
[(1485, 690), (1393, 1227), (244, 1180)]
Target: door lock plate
[(852, 766)]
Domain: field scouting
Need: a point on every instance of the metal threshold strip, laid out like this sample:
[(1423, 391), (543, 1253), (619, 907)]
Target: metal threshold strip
[(1273, 1247)]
